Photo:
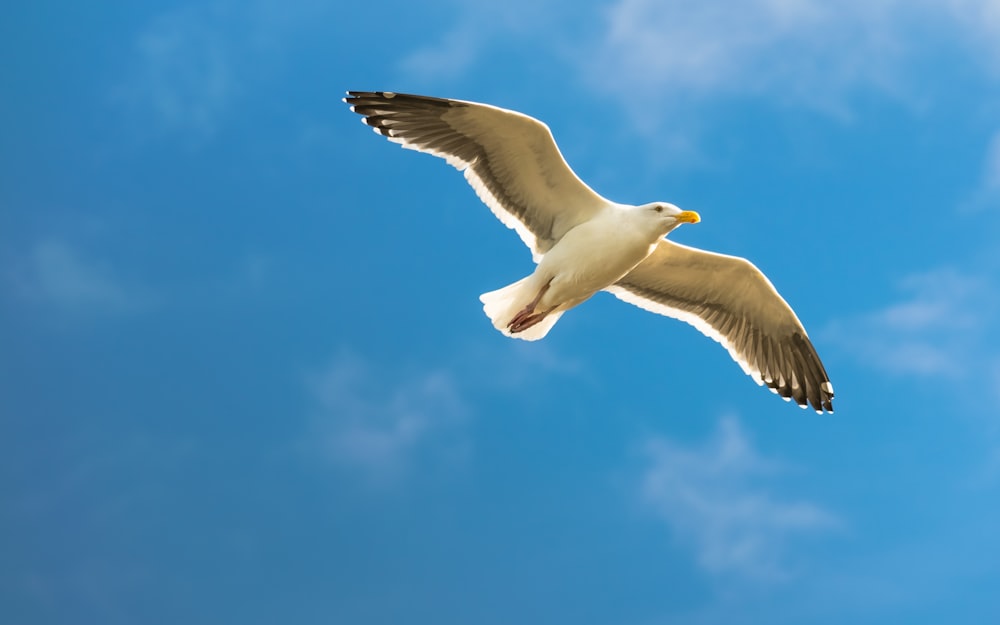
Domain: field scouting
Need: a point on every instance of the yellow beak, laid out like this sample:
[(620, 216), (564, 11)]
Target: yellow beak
[(688, 217)]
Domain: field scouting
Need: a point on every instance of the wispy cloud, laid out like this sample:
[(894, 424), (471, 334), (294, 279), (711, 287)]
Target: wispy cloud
[(194, 64), (515, 366), (991, 169), (59, 276), (943, 328), (445, 59), (377, 421), (672, 57), (715, 498), (385, 422), (482, 29), (804, 52), (936, 329), (744, 48), (987, 194), (184, 76)]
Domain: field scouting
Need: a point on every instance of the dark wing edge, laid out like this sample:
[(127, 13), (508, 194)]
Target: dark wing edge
[(764, 337), (424, 124)]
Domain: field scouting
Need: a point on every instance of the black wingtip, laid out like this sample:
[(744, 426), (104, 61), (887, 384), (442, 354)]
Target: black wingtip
[(379, 98)]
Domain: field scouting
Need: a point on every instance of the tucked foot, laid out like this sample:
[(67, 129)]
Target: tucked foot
[(527, 317), (521, 323), (526, 312)]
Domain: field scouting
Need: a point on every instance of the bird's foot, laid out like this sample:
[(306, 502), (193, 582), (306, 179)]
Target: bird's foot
[(526, 312), (521, 323), (527, 317)]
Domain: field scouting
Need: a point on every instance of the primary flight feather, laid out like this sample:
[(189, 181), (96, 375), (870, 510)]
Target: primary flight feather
[(583, 243)]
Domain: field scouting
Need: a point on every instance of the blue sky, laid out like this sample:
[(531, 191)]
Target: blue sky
[(245, 376)]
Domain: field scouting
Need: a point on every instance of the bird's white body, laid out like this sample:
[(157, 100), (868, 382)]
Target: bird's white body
[(588, 258)]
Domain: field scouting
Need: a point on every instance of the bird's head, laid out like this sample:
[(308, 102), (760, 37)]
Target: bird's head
[(667, 216)]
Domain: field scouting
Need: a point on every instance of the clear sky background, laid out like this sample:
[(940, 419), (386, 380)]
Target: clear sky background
[(245, 376)]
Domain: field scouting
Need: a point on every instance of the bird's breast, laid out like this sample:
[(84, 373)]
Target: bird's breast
[(590, 257)]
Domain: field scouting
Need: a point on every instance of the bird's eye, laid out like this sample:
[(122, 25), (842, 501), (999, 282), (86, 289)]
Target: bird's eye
[(658, 208)]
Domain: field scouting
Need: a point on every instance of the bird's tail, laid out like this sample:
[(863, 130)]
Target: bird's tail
[(501, 306)]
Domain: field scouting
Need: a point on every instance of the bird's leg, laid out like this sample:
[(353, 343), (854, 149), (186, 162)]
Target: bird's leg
[(528, 312), (526, 322)]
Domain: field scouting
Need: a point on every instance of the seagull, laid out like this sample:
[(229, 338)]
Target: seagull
[(583, 243)]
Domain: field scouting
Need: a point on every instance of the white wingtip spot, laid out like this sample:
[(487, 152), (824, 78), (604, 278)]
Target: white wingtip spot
[(826, 386), (388, 95)]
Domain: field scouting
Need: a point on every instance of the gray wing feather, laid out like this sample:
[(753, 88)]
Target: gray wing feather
[(510, 159), (731, 301)]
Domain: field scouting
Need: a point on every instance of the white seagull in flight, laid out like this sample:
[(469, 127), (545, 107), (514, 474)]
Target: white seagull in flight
[(583, 243)]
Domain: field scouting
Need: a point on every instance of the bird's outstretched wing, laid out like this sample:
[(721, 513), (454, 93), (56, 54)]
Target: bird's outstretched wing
[(731, 301), (510, 159)]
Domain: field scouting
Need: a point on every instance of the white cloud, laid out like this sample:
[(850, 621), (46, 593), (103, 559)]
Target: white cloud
[(937, 329), (943, 330), (193, 64), (987, 195), (386, 423), (445, 59), (515, 366), (481, 28), (796, 48), (57, 275), (805, 52), (185, 77), (455, 51), (713, 499), (377, 422), (660, 59), (979, 20), (991, 170)]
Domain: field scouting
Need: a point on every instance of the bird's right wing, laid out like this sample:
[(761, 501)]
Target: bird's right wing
[(510, 159), (730, 300)]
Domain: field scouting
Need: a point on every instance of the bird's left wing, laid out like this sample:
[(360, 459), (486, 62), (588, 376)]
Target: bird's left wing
[(510, 159), (731, 301)]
